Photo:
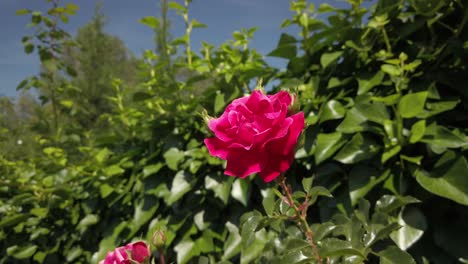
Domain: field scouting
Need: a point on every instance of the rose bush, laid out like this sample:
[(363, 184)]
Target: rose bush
[(134, 252), (256, 134)]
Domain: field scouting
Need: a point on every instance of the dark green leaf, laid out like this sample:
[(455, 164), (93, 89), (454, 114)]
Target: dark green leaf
[(367, 82), (180, 186), (359, 148), (185, 250), (388, 203), (413, 224), (327, 145), (362, 180), (241, 191), (307, 183), (332, 110), (331, 247), (23, 252), (394, 255), (233, 244), (13, 220), (327, 58), (447, 179)]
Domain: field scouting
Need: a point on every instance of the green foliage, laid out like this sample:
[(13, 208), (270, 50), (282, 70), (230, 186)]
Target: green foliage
[(383, 94)]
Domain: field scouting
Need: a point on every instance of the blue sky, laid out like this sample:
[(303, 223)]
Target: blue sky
[(222, 17)]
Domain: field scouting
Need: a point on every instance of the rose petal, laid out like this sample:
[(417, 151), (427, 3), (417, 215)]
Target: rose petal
[(216, 147), (281, 97), (275, 166), (294, 131), (140, 251), (280, 133), (242, 163), (259, 103)]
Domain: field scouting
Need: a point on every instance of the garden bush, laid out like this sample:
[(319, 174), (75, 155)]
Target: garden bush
[(380, 172)]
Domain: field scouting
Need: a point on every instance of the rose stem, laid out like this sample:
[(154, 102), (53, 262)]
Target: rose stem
[(162, 260), (302, 222)]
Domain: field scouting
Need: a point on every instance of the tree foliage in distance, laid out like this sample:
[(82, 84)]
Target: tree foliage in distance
[(97, 58), (383, 93)]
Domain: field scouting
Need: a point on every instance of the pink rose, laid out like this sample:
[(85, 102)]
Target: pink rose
[(139, 252), (256, 135)]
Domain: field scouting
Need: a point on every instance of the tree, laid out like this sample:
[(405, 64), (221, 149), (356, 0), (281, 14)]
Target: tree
[(97, 58)]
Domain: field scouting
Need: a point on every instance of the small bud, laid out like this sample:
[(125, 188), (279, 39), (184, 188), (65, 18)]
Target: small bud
[(295, 105), (158, 240), (205, 116), (259, 86)]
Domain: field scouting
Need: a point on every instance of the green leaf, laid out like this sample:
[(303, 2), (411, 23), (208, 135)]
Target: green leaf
[(150, 21), (376, 112), (286, 47), (367, 82), (180, 186), (327, 58), (144, 210), (391, 70), (359, 148), (13, 220), (72, 7), (241, 191), (177, 6), (447, 179), (327, 145), (185, 250), (307, 183), (102, 155), (113, 170), (173, 157), (268, 201), (297, 251), (362, 179), (324, 8), (88, 220), (28, 48), (417, 131), (219, 102), (415, 160), (73, 254), (233, 243), (151, 169), (438, 107), (387, 100), (333, 247), (390, 152), (353, 122), (332, 110), (105, 190), (442, 137), (50, 65), (39, 212), (23, 252), (317, 191), (197, 24), (255, 250), (21, 12), (413, 224), (249, 228), (388, 203), (285, 52), (221, 189), (412, 104), (394, 255)]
